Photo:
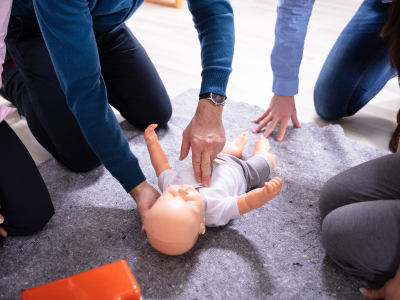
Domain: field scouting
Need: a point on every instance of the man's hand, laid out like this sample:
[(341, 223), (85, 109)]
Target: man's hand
[(390, 291), (205, 134), (281, 109), (145, 196), (3, 232)]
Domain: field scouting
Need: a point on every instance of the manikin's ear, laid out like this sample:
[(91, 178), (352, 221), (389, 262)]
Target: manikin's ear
[(203, 227)]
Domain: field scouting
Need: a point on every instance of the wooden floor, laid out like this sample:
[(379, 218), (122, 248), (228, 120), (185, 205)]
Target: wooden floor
[(171, 42)]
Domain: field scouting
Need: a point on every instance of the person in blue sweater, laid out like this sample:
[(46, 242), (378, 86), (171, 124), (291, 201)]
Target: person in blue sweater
[(67, 60)]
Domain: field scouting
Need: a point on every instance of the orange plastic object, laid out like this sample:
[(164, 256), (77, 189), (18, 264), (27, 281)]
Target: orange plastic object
[(110, 282)]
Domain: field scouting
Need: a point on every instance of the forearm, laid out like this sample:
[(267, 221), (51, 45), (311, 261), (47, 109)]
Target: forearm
[(215, 26), (247, 202), (290, 32), (158, 158)]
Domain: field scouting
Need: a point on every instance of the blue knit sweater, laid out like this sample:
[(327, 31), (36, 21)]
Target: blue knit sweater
[(67, 27)]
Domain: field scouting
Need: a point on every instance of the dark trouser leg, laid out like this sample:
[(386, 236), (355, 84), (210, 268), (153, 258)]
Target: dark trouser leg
[(33, 87), (361, 207), (25, 202), (357, 67), (133, 84)]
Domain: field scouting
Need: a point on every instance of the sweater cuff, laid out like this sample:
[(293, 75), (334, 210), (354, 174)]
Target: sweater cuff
[(213, 83), (130, 176), (285, 87)]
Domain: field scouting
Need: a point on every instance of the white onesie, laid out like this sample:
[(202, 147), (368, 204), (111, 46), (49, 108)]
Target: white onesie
[(227, 182)]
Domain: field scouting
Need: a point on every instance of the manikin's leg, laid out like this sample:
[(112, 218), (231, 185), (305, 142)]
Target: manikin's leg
[(262, 148), (235, 147), (258, 197)]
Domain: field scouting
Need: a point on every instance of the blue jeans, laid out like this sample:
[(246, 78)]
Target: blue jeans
[(357, 67)]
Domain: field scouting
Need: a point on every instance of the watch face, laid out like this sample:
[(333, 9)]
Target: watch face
[(217, 98)]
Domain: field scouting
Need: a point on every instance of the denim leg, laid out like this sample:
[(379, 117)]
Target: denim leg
[(357, 67)]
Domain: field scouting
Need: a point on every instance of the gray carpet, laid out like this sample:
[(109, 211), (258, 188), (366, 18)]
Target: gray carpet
[(272, 253)]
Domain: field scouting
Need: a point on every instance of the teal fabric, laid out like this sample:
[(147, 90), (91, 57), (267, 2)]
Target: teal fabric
[(68, 30)]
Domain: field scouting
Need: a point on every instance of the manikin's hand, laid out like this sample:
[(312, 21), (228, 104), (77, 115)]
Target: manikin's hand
[(145, 196), (149, 135), (272, 188), (3, 232), (281, 109), (206, 136), (390, 291)]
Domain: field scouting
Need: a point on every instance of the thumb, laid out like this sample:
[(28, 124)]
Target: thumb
[(373, 294)]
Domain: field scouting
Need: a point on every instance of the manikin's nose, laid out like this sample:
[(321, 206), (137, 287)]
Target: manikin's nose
[(182, 192)]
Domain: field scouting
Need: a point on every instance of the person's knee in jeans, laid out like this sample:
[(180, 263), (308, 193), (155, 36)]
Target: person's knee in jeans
[(326, 101)]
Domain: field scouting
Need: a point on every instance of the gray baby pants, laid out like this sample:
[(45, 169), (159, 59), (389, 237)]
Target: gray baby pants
[(256, 170), (361, 210)]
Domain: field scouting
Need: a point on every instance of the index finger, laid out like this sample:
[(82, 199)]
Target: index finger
[(282, 130), (205, 169), (3, 232), (196, 162), (373, 294), (270, 127)]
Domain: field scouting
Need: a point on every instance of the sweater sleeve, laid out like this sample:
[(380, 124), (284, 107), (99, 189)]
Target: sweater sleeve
[(5, 10), (68, 33), (213, 21), (290, 32)]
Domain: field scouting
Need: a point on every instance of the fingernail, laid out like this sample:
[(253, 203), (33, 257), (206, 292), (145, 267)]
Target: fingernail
[(253, 131), (1, 219), (198, 179), (206, 183), (363, 290)]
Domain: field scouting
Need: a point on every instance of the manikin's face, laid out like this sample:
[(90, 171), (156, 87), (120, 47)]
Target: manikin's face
[(176, 219)]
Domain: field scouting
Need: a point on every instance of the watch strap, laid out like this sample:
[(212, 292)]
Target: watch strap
[(215, 98)]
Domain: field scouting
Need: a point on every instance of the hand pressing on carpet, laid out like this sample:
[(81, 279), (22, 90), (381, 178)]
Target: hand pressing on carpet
[(145, 196), (280, 110), (205, 134), (390, 291), (3, 232)]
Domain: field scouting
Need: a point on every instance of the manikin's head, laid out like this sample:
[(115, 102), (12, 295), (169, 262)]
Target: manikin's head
[(176, 220)]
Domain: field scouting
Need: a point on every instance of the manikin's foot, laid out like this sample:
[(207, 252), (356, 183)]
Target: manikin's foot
[(262, 146), (235, 147)]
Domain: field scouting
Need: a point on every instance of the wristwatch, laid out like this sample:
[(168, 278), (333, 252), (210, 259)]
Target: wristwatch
[(214, 98)]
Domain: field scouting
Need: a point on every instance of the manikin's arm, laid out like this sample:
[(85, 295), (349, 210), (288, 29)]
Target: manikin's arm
[(157, 155), (258, 197)]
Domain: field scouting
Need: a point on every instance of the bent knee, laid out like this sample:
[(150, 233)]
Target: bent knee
[(326, 105), (82, 163), (29, 222), (272, 159), (330, 197)]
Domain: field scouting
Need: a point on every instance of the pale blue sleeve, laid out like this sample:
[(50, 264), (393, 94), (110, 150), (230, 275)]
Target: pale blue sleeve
[(290, 32)]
